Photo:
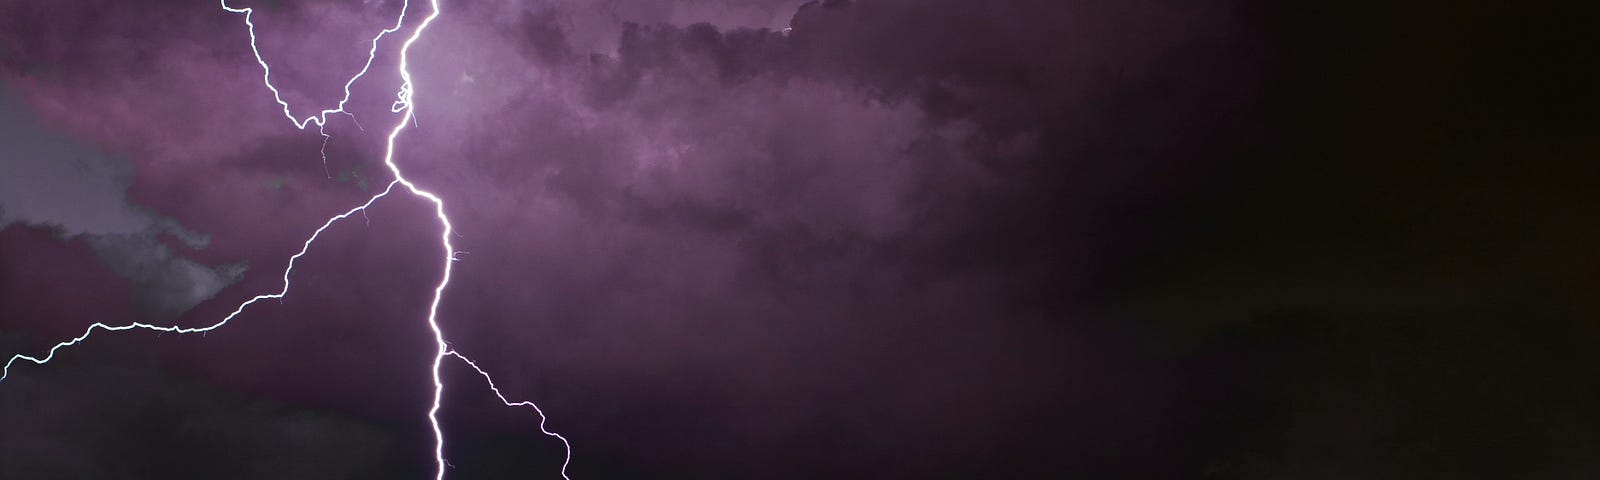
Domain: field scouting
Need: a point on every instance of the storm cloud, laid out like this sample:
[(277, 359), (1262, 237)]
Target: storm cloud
[(784, 239), (50, 182)]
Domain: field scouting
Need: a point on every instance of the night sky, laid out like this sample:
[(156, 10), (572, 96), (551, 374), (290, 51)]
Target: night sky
[(779, 239)]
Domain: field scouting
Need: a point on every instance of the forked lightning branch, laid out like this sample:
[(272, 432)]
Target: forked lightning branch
[(405, 105)]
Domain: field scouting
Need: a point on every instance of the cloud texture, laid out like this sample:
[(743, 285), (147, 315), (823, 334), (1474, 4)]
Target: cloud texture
[(713, 238)]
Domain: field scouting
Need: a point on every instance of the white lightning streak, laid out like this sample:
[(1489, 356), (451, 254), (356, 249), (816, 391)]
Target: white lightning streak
[(405, 104), (510, 403), (321, 118), (175, 329)]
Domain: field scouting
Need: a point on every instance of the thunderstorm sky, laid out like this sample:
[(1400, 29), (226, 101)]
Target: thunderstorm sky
[(731, 239)]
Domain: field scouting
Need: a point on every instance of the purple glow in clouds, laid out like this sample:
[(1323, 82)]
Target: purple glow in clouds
[(405, 105), (713, 239)]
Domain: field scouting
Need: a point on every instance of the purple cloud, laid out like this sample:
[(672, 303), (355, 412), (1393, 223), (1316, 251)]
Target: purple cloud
[(780, 240)]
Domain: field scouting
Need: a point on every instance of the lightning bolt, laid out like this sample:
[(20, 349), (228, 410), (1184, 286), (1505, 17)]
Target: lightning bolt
[(321, 118), (406, 106)]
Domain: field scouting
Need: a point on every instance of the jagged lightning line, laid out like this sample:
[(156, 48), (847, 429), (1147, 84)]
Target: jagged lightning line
[(406, 106), (510, 403), (175, 329), (321, 118)]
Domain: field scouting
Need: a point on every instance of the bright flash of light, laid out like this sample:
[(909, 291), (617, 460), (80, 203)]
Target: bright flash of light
[(406, 106)]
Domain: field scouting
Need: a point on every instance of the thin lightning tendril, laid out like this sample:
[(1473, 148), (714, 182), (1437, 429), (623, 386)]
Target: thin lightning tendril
[(510, 403), (321, 118), (404, 105), (175, 329)]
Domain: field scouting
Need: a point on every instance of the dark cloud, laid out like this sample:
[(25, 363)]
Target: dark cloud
[(53, 183), (713, 249), (116, 414), (855, 239)]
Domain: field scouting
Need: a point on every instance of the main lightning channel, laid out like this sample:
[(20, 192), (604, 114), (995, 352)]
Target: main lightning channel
[(405, 105)]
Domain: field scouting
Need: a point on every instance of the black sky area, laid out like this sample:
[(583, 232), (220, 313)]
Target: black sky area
[(1305, 240), (1401, 277)]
